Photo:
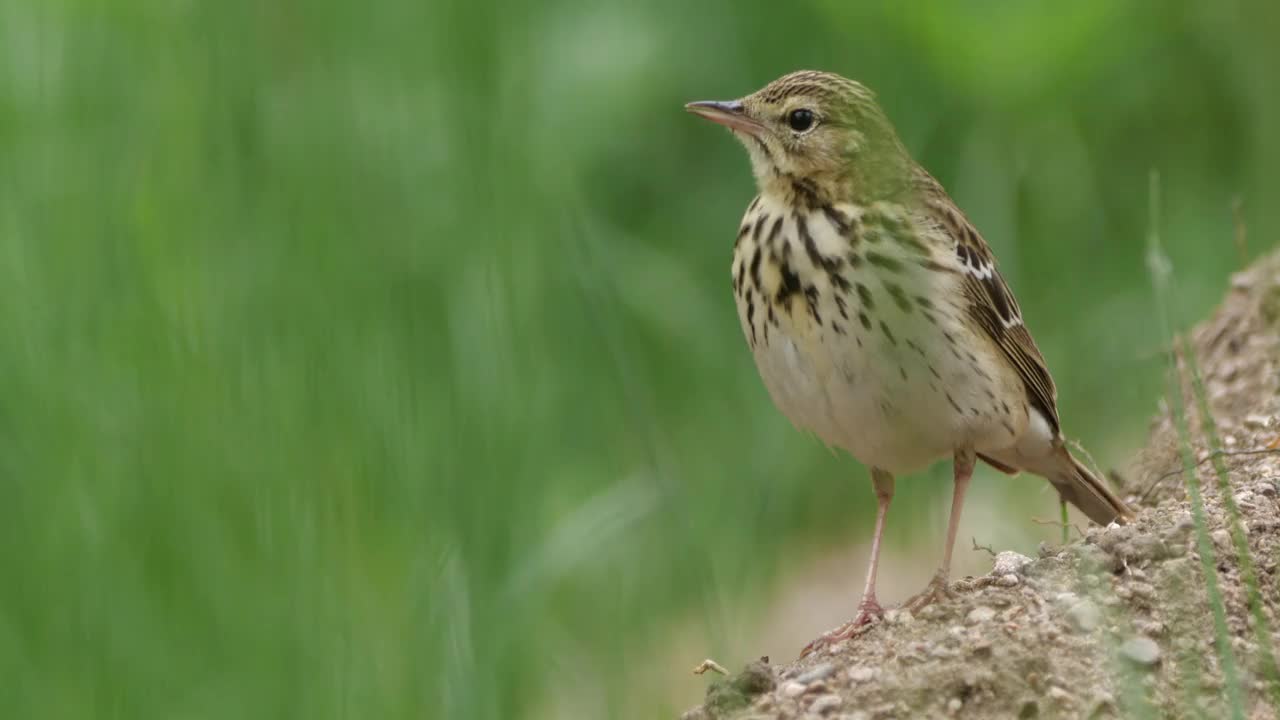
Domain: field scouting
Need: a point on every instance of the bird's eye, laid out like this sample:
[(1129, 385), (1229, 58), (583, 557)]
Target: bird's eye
[(800, 119)]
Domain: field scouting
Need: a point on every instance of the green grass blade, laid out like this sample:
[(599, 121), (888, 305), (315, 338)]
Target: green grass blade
[(1247, 570), (1161, 272)]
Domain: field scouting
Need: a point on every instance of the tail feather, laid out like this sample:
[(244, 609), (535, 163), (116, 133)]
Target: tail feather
[(1079, 486)]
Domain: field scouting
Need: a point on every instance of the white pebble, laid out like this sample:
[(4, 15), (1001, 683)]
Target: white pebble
[(1010, 563), (861, 673), (824, 704), (898, 616), (817, 672), (980, 614), (1141, 650), (1084, 616)]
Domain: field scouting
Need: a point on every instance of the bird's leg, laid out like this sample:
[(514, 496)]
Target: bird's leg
[(869, 608), (937, 588)]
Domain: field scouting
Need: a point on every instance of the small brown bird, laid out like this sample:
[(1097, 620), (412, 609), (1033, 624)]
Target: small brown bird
[(876, 313)]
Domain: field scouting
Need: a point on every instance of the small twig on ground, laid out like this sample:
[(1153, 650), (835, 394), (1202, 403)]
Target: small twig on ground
[(711, 665), (1055, 523), (976, 546), (1272, 448)]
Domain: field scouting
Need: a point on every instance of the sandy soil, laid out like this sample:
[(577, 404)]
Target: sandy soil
[(1114, 622)]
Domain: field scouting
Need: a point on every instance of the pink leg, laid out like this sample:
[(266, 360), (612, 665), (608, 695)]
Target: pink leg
[(884, 493), (964, 462), (964, 472), (869, 609)]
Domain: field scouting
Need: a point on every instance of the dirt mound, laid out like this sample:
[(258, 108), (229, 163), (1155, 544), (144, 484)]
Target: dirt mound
[(1112, 623)]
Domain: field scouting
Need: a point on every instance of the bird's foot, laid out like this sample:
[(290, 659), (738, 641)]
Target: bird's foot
[(935, 591), (869, 611)]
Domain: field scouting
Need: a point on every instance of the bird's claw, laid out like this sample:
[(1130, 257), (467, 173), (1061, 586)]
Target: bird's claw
[(937, 590), (869, 612)]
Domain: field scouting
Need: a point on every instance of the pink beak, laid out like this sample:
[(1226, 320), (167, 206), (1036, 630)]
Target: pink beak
[(728, 113)]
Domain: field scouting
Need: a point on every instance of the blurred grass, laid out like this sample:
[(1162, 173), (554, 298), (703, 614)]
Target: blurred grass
[(1161, 271), (379, 361)]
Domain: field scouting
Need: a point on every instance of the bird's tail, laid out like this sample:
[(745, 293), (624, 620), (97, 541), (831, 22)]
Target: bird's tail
[(1079, 486)]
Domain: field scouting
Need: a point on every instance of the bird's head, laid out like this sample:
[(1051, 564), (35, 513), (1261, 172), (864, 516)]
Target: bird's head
[(817, 129)]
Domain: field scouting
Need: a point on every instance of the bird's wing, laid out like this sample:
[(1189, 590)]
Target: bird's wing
[(991, 304)]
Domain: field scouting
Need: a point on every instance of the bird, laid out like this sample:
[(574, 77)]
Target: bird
[(877, 315)]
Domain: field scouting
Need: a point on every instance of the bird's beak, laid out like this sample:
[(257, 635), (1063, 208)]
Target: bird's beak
[(729, 113)]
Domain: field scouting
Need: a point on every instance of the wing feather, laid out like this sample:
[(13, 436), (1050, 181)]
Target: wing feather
[(991, 304)]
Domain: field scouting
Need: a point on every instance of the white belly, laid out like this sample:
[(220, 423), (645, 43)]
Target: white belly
[(898, 390)]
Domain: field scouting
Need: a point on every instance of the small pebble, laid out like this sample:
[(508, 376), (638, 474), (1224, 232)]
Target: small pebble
[(980, 614), (824, 704), (1104, 704), (931, 612), (1141, 650), (1113, 536), (1221, 538), (815, 673), (1185, 523), (1147, 547), (898, 616), (861, 673), (1009, 562), (954, 705), (940, 652), (1084, 616), (791, 688), (1256, 421), (1095, 559), (1057, 693), (1143, 590), (1009, 580), (1150, 627)]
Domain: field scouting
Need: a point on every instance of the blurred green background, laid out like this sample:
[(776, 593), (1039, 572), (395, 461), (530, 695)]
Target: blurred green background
[(379, 360)]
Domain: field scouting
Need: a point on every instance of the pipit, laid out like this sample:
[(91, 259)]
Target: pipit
[(876, 313)]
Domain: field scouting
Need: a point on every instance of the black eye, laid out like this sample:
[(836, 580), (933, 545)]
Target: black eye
[(800, 119)]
